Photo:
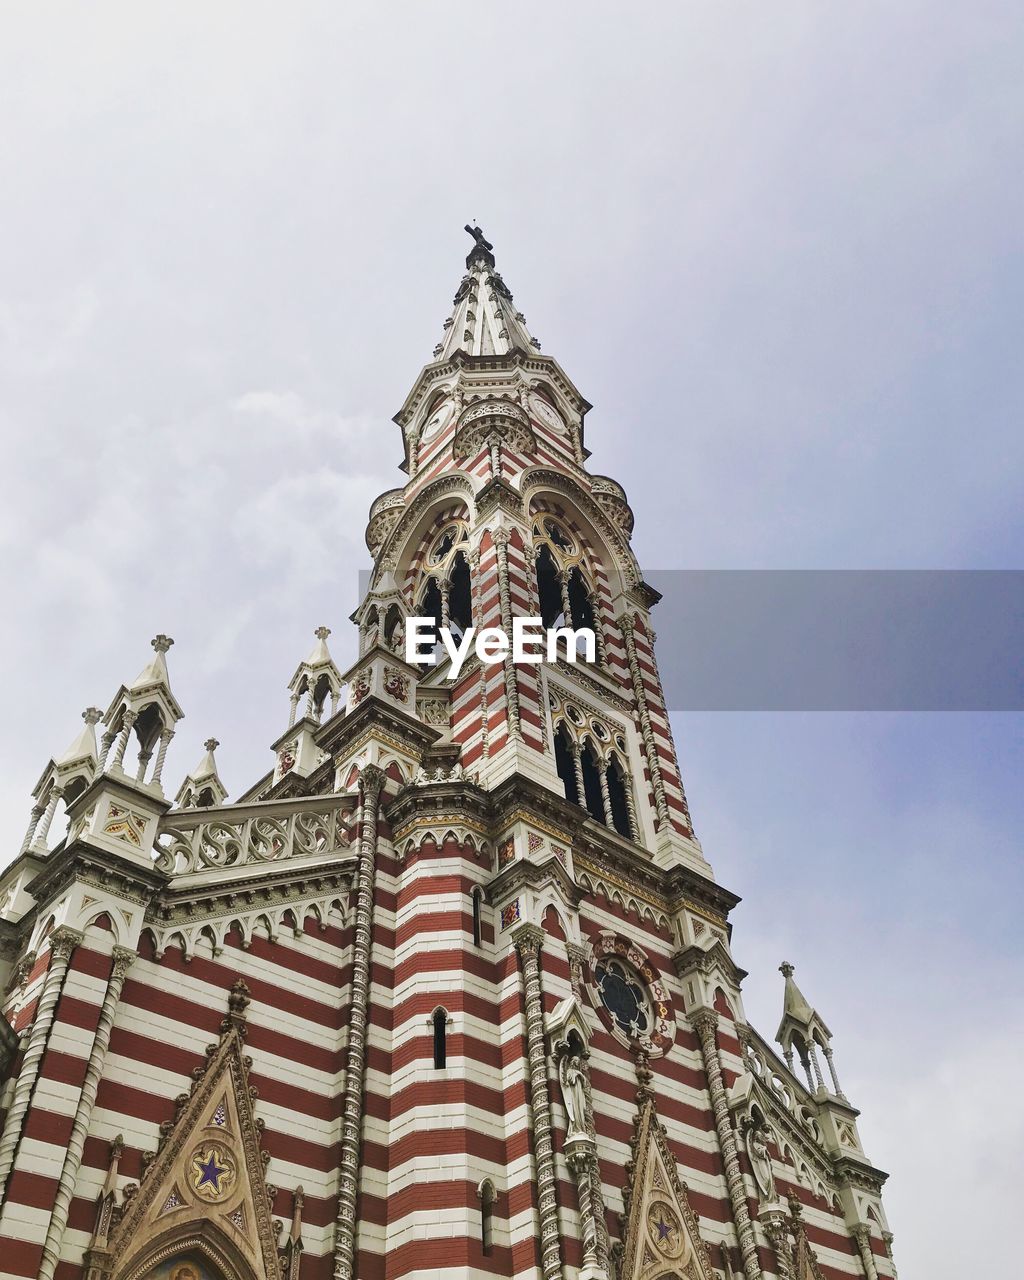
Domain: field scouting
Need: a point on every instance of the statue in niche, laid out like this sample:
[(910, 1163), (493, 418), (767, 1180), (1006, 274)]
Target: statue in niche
[(759, 1157), (574, 1094)]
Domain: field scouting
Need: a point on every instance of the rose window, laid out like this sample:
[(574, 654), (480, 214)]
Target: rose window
[(625, 997)]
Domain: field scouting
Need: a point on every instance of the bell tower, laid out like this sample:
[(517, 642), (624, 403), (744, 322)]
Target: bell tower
[(501, 518)]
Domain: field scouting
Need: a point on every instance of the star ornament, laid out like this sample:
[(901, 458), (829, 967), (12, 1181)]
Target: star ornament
[(212, 1172)]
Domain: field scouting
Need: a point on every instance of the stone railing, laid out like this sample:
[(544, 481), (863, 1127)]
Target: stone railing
[(195, 840)]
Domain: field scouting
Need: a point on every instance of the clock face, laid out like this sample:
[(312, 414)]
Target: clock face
[(438, 420), (545, 413)]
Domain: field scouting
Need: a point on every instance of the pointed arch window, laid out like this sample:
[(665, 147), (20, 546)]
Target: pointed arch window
[(566, 598), (447, 594)]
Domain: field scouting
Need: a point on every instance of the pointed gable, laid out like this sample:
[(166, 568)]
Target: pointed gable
[(204, 1192), (662, 1237)]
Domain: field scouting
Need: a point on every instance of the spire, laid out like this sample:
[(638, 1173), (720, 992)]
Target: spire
[(484, 319), (794, 1004), (202, 787)]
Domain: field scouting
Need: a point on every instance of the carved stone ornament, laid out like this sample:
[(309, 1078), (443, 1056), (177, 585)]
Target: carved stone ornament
[(204, 1190), (661, 1235)]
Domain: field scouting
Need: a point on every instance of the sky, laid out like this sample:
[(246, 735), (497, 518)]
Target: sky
[(778, 247)]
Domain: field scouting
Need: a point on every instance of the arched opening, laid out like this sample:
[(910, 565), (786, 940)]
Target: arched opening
[(580, 605), (565, 764), (205, 798), (460, 599), (617, 784), (440, 1021), (592, 783), (487, 1196), (549, 590), (431, 607)]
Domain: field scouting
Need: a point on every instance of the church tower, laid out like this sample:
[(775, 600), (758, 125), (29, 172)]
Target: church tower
[(448, 991)]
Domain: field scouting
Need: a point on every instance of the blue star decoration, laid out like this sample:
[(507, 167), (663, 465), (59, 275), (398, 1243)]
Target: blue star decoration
[(664, 1229), (211, 1172)]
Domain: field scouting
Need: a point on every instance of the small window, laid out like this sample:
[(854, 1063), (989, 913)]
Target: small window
[(440, 1021), (486, 1207), (476, 917), (565, 764)]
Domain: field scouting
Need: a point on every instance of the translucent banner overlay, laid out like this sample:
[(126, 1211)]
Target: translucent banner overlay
[(837, 639), (841, 640)]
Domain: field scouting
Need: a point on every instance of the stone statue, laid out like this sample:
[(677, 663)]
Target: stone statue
[(760, 1159), (574, 1095)]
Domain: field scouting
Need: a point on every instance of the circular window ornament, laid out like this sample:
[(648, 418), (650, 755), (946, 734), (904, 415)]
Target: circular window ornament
[(211, 1172), (624, 997), (666, 1231), (630, 996), (574, 714)]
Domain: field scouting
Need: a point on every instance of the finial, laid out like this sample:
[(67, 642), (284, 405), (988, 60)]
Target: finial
[(786, 969), (92, 715), (161, 643), (322, 633), (211, 744)]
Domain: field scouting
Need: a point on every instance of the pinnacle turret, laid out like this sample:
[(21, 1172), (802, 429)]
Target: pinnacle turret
[(804, 1031), (203, 787)]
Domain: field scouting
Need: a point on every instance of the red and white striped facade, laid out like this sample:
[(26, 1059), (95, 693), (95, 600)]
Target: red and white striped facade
[(415, 869)]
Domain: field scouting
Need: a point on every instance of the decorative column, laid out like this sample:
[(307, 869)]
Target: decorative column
[(161, 755), (600, 648), (371, 783), (294, 708), (887, 1238), (563, 583), (862, 1234), (528, 942), (705, 1023), (122, 739), (62, 943), (51, 808), (634, 823), (500, 537), (829, 1058), (577, 764), (37, 812), (606, 800), (812, 1052), (106, 742), (644, 713), (122, 959)]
